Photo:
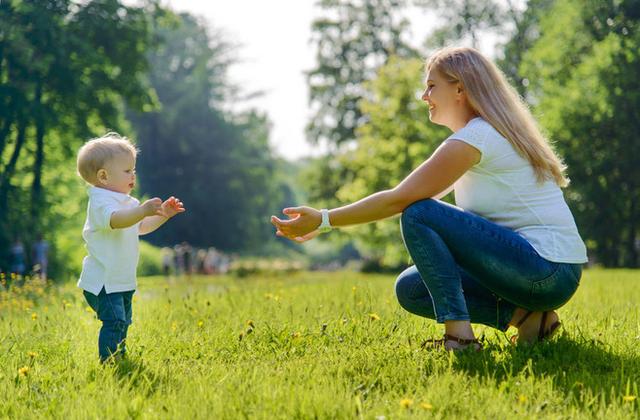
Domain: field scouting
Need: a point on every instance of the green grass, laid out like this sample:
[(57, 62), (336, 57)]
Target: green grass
[(315, 351)]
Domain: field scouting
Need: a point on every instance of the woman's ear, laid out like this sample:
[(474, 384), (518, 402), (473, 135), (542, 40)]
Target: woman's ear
[(460, 93)]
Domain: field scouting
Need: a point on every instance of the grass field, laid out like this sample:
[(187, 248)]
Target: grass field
[(311, 345)]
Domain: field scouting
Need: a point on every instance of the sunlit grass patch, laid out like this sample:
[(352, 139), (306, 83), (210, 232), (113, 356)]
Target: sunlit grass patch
[(331, 345)]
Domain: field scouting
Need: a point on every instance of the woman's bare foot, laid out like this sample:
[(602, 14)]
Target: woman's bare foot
[(454, 345), (529, 331)]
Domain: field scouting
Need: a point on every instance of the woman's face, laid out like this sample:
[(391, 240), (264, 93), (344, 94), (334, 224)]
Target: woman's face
[(443, 98)]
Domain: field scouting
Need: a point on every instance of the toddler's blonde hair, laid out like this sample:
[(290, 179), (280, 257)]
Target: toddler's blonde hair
[(95, 153)]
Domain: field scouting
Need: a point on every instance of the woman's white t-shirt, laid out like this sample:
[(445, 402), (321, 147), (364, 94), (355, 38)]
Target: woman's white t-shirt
[(503, 188)]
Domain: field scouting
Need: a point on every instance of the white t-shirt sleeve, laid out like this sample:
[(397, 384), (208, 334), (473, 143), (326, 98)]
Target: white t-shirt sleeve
[(474, 135), (101, 210)]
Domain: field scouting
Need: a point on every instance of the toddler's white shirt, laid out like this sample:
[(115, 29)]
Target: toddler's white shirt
[(113, 253)]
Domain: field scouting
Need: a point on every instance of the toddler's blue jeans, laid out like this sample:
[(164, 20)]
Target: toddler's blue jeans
[(468, 268), (114, 310)]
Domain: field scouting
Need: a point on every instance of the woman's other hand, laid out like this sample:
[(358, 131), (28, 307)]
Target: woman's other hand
[(301, 225)]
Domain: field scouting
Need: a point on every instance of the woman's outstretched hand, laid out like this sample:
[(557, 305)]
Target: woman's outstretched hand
[(301, 226)]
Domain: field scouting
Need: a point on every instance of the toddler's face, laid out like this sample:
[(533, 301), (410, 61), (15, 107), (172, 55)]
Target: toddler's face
[(119, 174)]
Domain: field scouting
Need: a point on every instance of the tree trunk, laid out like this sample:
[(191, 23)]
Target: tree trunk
[(6, 175), (632, 258), (36, 187), (6, 127)]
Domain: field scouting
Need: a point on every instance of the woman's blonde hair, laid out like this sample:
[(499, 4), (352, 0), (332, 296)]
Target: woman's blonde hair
[(498, 103), (95, 153)]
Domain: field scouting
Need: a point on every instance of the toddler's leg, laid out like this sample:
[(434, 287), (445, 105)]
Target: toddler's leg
[(127, 299), (111, 312)]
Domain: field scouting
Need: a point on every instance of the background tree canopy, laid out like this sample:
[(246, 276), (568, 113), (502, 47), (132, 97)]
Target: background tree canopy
[(575, 61), (70, 71), (217, 162)]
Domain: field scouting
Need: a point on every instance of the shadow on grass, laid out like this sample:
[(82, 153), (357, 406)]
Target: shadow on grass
[(134, 374), (573, 366)]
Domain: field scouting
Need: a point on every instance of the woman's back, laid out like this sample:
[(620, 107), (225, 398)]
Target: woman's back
[(503, 188)]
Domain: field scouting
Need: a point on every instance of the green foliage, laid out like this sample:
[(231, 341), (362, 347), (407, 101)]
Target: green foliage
[(466, 19), (396, 138), (65, 70), (353, 39), (586, 71), (150, 261), (526, 32), (311, 345)]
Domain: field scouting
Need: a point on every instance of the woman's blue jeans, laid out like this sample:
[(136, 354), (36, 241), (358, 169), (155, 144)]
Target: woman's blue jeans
[(114, 310), (470, 269)]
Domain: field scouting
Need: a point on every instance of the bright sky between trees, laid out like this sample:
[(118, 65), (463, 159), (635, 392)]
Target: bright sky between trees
[(274, 52)]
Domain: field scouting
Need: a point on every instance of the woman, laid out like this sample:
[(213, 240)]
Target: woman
[(510, 253)]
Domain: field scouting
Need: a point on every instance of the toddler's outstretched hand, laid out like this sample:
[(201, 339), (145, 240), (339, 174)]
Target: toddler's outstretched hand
[(171, 207), (152, 206)]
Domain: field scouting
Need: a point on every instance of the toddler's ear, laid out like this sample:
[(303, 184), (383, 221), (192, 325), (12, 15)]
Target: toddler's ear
[(101, 176)]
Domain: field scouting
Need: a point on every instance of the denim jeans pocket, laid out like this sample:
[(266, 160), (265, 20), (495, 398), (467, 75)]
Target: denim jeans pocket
[(556, 289)]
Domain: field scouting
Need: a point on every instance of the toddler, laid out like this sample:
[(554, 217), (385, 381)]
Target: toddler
[(114, 221)]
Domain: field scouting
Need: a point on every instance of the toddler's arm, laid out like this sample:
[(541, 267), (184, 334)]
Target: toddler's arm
[(168, 209), (125, 218)]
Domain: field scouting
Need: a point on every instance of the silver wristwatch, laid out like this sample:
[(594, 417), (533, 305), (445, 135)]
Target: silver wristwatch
[(325, 226)]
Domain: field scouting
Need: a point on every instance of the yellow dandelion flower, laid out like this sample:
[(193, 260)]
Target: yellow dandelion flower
[(353, 289), (406, 403), (200, 324), (295, 335), (23, 371), (522, 399), (174, 326), (34, 316), (629, 398), (426, 406), (374, 317), (32, 354), (68, 304)]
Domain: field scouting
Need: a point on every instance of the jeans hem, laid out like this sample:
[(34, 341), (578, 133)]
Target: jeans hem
[(443, 319)]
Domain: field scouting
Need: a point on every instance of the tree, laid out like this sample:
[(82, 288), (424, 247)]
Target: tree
[(585, 73), (219, 163), (397, 137), (526, 31), (353, 39), (65, 69), (465, 18)]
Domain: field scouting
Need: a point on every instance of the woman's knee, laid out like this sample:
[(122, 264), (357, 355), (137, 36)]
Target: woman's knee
[(405, 286), (415, 213)]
